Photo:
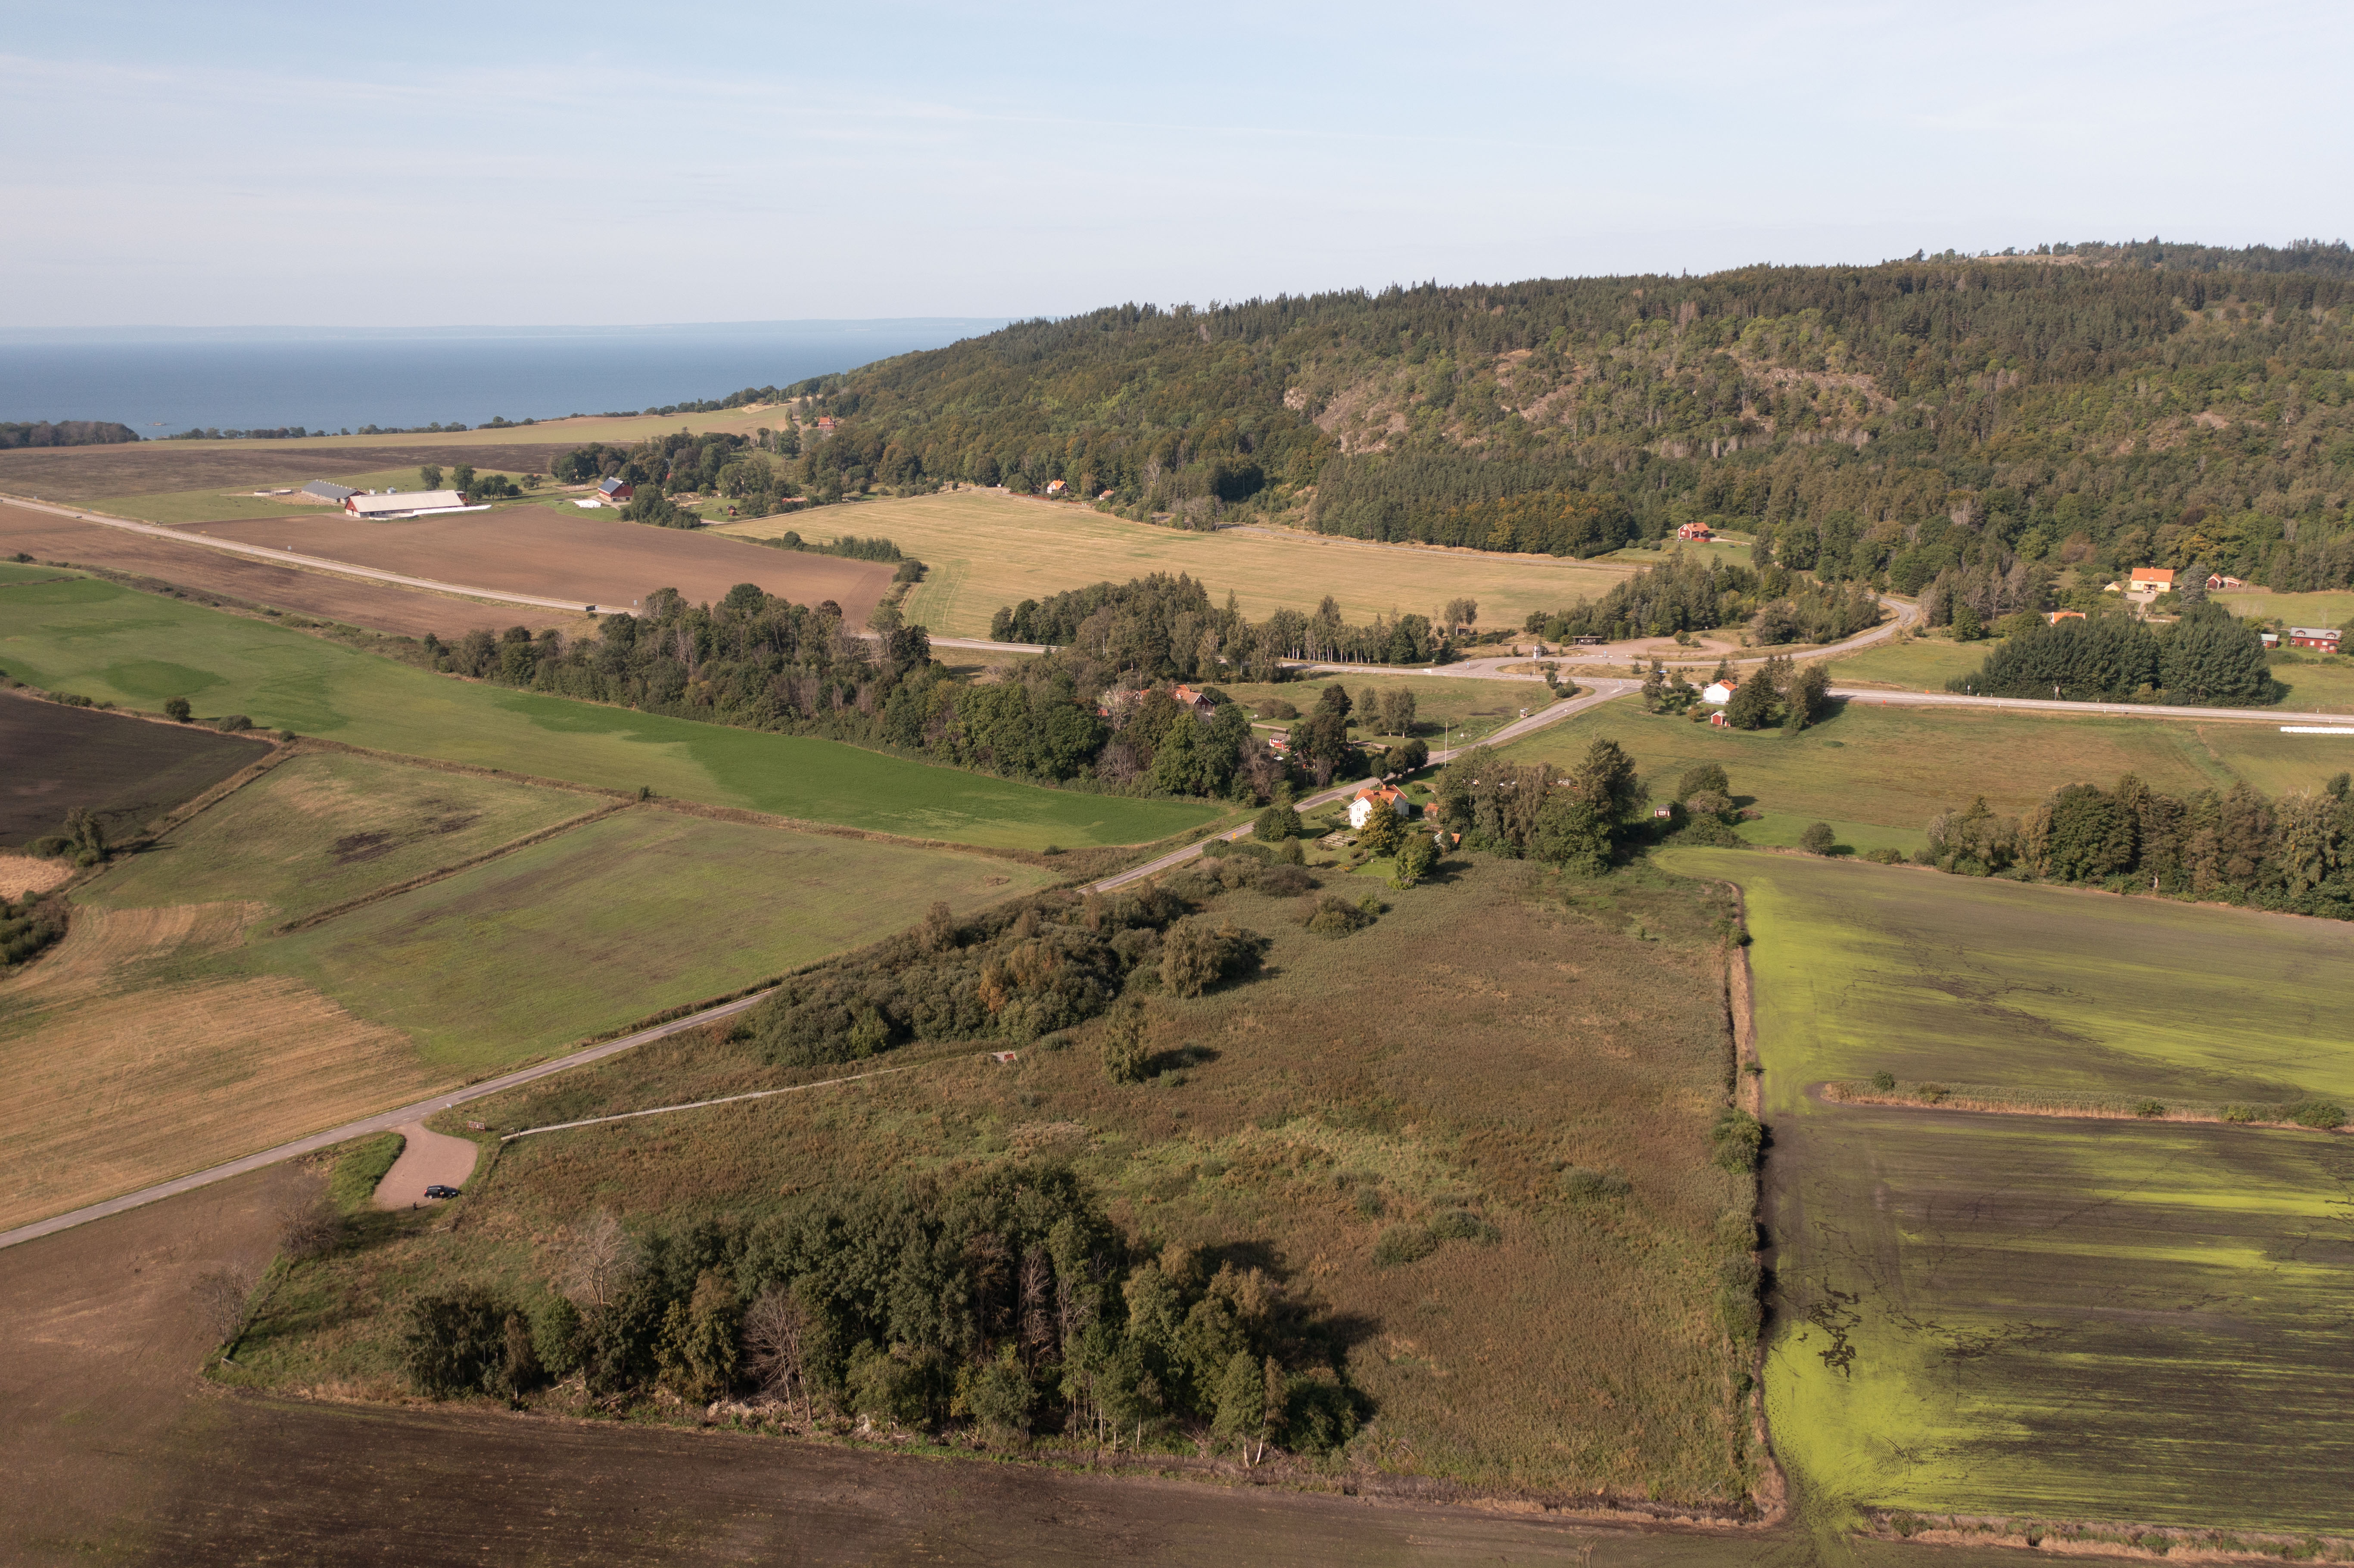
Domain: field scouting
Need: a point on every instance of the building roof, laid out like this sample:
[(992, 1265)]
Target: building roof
[(2328, 634), (1380, 793), (413, 501), (326, 492), (613, 486), (2153, 574)]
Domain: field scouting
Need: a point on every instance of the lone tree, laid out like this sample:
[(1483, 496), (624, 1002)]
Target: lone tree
[(1381, 830), (1817, 839), (431, 474), (177, 708)]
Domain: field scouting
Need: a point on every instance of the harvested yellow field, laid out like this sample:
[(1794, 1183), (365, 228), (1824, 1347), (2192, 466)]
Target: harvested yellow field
[(987, 549), (23, 873), (119, 1077)]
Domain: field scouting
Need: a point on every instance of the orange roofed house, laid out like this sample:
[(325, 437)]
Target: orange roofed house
[(1363, 806), (2151, 580)]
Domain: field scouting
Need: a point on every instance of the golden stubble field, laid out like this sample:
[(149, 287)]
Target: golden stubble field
[(988, 549)]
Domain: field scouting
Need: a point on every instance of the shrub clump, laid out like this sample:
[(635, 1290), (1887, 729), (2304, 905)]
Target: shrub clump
[(1278, 821), (1330, 914), (1404, 1243), (1195, 956), (232, 724), (1736, 1140), (2326, 1115), (1583, 1184), (1016, 972), (28, 927)]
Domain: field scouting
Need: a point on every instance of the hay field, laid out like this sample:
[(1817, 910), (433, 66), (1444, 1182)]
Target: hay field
[(987, 549), (562, 552), (110, 643), (127, 771), (130, 1057), (1914, 664), (1878, 774), (2103, 1319), (627, 916), (1579, 1352)]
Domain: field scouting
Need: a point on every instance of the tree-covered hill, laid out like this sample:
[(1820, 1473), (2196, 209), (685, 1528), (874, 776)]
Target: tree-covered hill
[(1934, 423)]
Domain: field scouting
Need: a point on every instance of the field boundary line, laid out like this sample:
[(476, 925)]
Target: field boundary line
[(439, 874), (705, 1105)]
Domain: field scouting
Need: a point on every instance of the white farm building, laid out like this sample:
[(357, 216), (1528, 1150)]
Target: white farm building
[(414, 504)]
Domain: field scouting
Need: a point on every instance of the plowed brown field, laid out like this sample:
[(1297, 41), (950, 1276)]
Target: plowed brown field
[(380, 607), (563, 552)]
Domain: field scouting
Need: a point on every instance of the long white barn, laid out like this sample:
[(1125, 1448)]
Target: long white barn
[(413, 504)]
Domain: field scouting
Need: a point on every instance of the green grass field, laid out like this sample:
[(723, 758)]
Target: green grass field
[(112, 643), (624, 917), (1915, 664), (987, 550), (2090, 1319), (2294, 609), (318, 829), (1892, 769)]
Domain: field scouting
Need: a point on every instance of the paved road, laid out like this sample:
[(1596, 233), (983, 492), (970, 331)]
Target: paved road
[(1600, 692), (317, 563), (386, 1122), (1867, 695)]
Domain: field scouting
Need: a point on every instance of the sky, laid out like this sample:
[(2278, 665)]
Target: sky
[(584, 163)]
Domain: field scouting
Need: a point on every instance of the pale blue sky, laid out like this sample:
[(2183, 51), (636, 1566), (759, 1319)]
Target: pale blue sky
[(584, 163)]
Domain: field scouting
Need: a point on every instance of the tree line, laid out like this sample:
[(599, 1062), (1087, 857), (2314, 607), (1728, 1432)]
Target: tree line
[(2293, 853), (1096, 714), (2205, 659), (64, 433), (1687, 593), (1005, 1303)]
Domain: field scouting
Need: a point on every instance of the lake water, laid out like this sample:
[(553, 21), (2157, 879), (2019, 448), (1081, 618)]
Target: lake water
[(160, 380)]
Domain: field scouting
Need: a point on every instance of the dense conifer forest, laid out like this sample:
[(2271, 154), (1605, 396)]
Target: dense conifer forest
[(1939, 424)]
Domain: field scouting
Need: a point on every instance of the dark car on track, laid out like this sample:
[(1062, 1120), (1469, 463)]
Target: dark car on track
[(438, 1191)]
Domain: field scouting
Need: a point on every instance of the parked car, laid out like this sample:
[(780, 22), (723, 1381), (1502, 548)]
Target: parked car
[(438, 1191)]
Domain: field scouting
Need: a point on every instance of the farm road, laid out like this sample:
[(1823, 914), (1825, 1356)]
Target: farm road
[(387, 1121), (315, 563)]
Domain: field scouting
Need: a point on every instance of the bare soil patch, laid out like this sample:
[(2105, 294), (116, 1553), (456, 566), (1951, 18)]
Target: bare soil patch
[(379, 606), (86, 473), (569, 553), (126, 770)]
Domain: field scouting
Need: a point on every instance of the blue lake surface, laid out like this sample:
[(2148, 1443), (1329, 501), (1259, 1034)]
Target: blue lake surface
[(161, 380)]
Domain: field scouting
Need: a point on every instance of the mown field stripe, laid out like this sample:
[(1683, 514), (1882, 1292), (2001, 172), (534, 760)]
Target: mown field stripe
[(441, 873)]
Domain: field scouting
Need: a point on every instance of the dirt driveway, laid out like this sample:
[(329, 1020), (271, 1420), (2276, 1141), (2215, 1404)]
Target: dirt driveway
[(427, 1159)]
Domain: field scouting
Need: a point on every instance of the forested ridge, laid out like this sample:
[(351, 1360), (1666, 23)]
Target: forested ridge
[(1937, 421)]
